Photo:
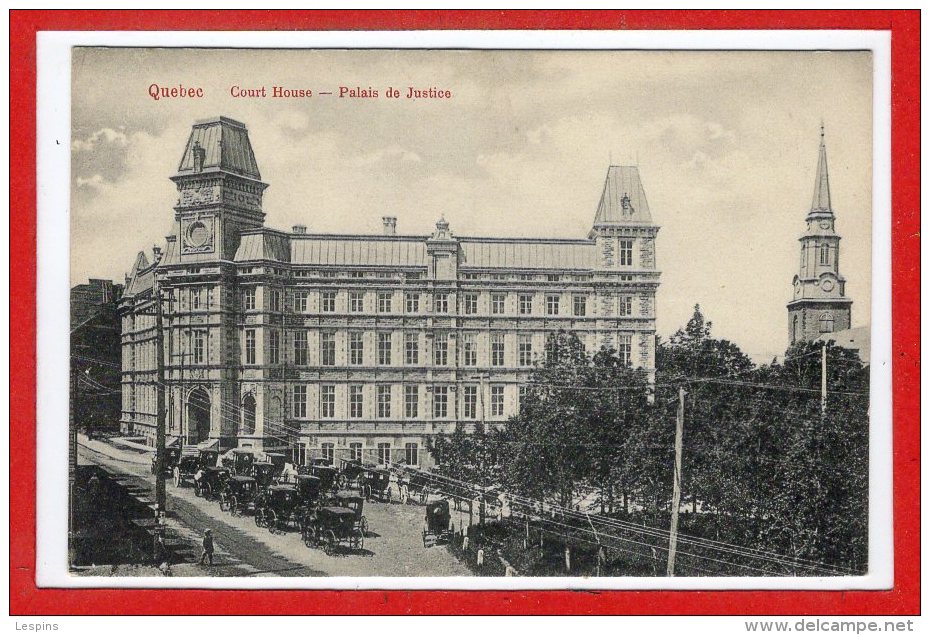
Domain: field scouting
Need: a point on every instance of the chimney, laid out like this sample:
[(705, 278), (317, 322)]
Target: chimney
[(390, 225), (299, 229), (156, 254), (199, 156)]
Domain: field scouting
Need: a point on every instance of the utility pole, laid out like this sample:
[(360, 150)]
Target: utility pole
[(159, 406), (676, 484), (823, 379)]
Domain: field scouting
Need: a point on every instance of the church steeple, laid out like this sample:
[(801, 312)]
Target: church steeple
[(820, 304), (821, 201)]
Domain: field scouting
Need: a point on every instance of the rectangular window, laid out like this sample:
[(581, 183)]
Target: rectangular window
[(384, 402), (302, 302), (198, 296), (250, 346), (327, 349), (497, 303), (553, 277), (525, 350), (199, 346), (441, 350), (441, 303), (497, 349), (626, 305), (412, 302), (355, 402), (580, 305), (411, 402), (411, 349), (356, 348), (470, 402), (384, 349), (300, 402), (356, 274), (356, 301), (355, 451), (625, 348), (470, 302), (552, 305), (384, 303), (328, 302), (469, 350), (328, 452), (526, 304), (300, 348), (327, 401), (440, 402), (497, 401), (248, 299), (412, 454), (274, 347), (299, 454), (384, 453), (626, 253), (522, 396), (275, 301)]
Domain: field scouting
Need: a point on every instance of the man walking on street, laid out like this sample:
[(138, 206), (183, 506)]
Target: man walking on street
[(207, 553)]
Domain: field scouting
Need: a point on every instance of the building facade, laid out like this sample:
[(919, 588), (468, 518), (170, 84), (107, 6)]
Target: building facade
[(819, 304), (95, 356), (362, 346)]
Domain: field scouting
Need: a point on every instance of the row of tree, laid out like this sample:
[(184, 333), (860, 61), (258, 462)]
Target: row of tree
[(763, 466)]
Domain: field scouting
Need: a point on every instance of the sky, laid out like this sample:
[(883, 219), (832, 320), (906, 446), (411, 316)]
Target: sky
[(726, 143)]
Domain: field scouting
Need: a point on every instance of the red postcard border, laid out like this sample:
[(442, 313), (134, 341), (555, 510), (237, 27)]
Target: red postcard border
[(904, 598)]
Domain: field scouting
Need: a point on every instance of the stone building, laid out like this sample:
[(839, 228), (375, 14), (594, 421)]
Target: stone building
[(95, 356), (819, 304), (363, 345)]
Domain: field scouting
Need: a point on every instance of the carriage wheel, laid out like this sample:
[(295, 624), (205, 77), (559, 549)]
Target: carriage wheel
[(260, 517), (224, 502), (404, 495), (363, 526), (234, 506), (329, 542), (177, 477), (360, 541), (424, 495), (272, 520), (342, 481)]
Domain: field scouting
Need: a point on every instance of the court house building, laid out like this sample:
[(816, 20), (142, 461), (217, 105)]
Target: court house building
[(363, 346)]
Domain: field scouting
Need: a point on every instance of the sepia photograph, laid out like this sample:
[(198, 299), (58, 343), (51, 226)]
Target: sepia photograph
[(459, 314)]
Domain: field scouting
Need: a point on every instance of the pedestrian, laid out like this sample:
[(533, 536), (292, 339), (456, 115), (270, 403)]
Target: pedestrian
[(162, 555), (207, 553)]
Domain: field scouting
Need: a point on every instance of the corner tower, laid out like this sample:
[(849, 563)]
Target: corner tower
[(219, 191), (819, 303)]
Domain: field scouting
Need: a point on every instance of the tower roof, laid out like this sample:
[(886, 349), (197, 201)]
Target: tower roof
[(623, 199), (223, 145), (821, 201)]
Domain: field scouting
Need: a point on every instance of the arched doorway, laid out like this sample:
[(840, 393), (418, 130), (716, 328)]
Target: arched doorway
[(248, 415), (198, 415)]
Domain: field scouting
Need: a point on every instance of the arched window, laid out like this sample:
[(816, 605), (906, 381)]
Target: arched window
[(826, 323), (795, 333), (248, 415), (825, 254)]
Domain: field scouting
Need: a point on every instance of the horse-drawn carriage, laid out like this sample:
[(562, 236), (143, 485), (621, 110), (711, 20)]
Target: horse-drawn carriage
[(328, 475), (377, 483), (239, 461), (282, 505), (332, 527), (437, 525), (350, 470), (238, 493), (172, 456), (211, 481), (192, 460)]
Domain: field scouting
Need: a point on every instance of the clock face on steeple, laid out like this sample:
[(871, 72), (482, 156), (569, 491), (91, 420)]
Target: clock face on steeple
[(824, 224)]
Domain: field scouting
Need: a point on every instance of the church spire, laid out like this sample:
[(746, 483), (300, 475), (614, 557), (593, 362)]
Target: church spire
[(821, 201)]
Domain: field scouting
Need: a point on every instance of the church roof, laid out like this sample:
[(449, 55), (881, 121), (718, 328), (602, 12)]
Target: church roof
[(623, 199), (226, 147), (821, 200), (858, 339)]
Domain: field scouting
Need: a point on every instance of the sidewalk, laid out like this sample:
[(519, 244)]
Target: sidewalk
[(114, 453)]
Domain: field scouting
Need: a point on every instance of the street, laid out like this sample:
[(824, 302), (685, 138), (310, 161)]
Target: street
[(393, 546)]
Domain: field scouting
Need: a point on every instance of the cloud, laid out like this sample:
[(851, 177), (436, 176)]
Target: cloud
[(107, 136), (391, 153)]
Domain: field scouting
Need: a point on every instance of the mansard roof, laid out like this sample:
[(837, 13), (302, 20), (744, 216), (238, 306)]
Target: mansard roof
[(527, 253), (623, 199), (226, 146)]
